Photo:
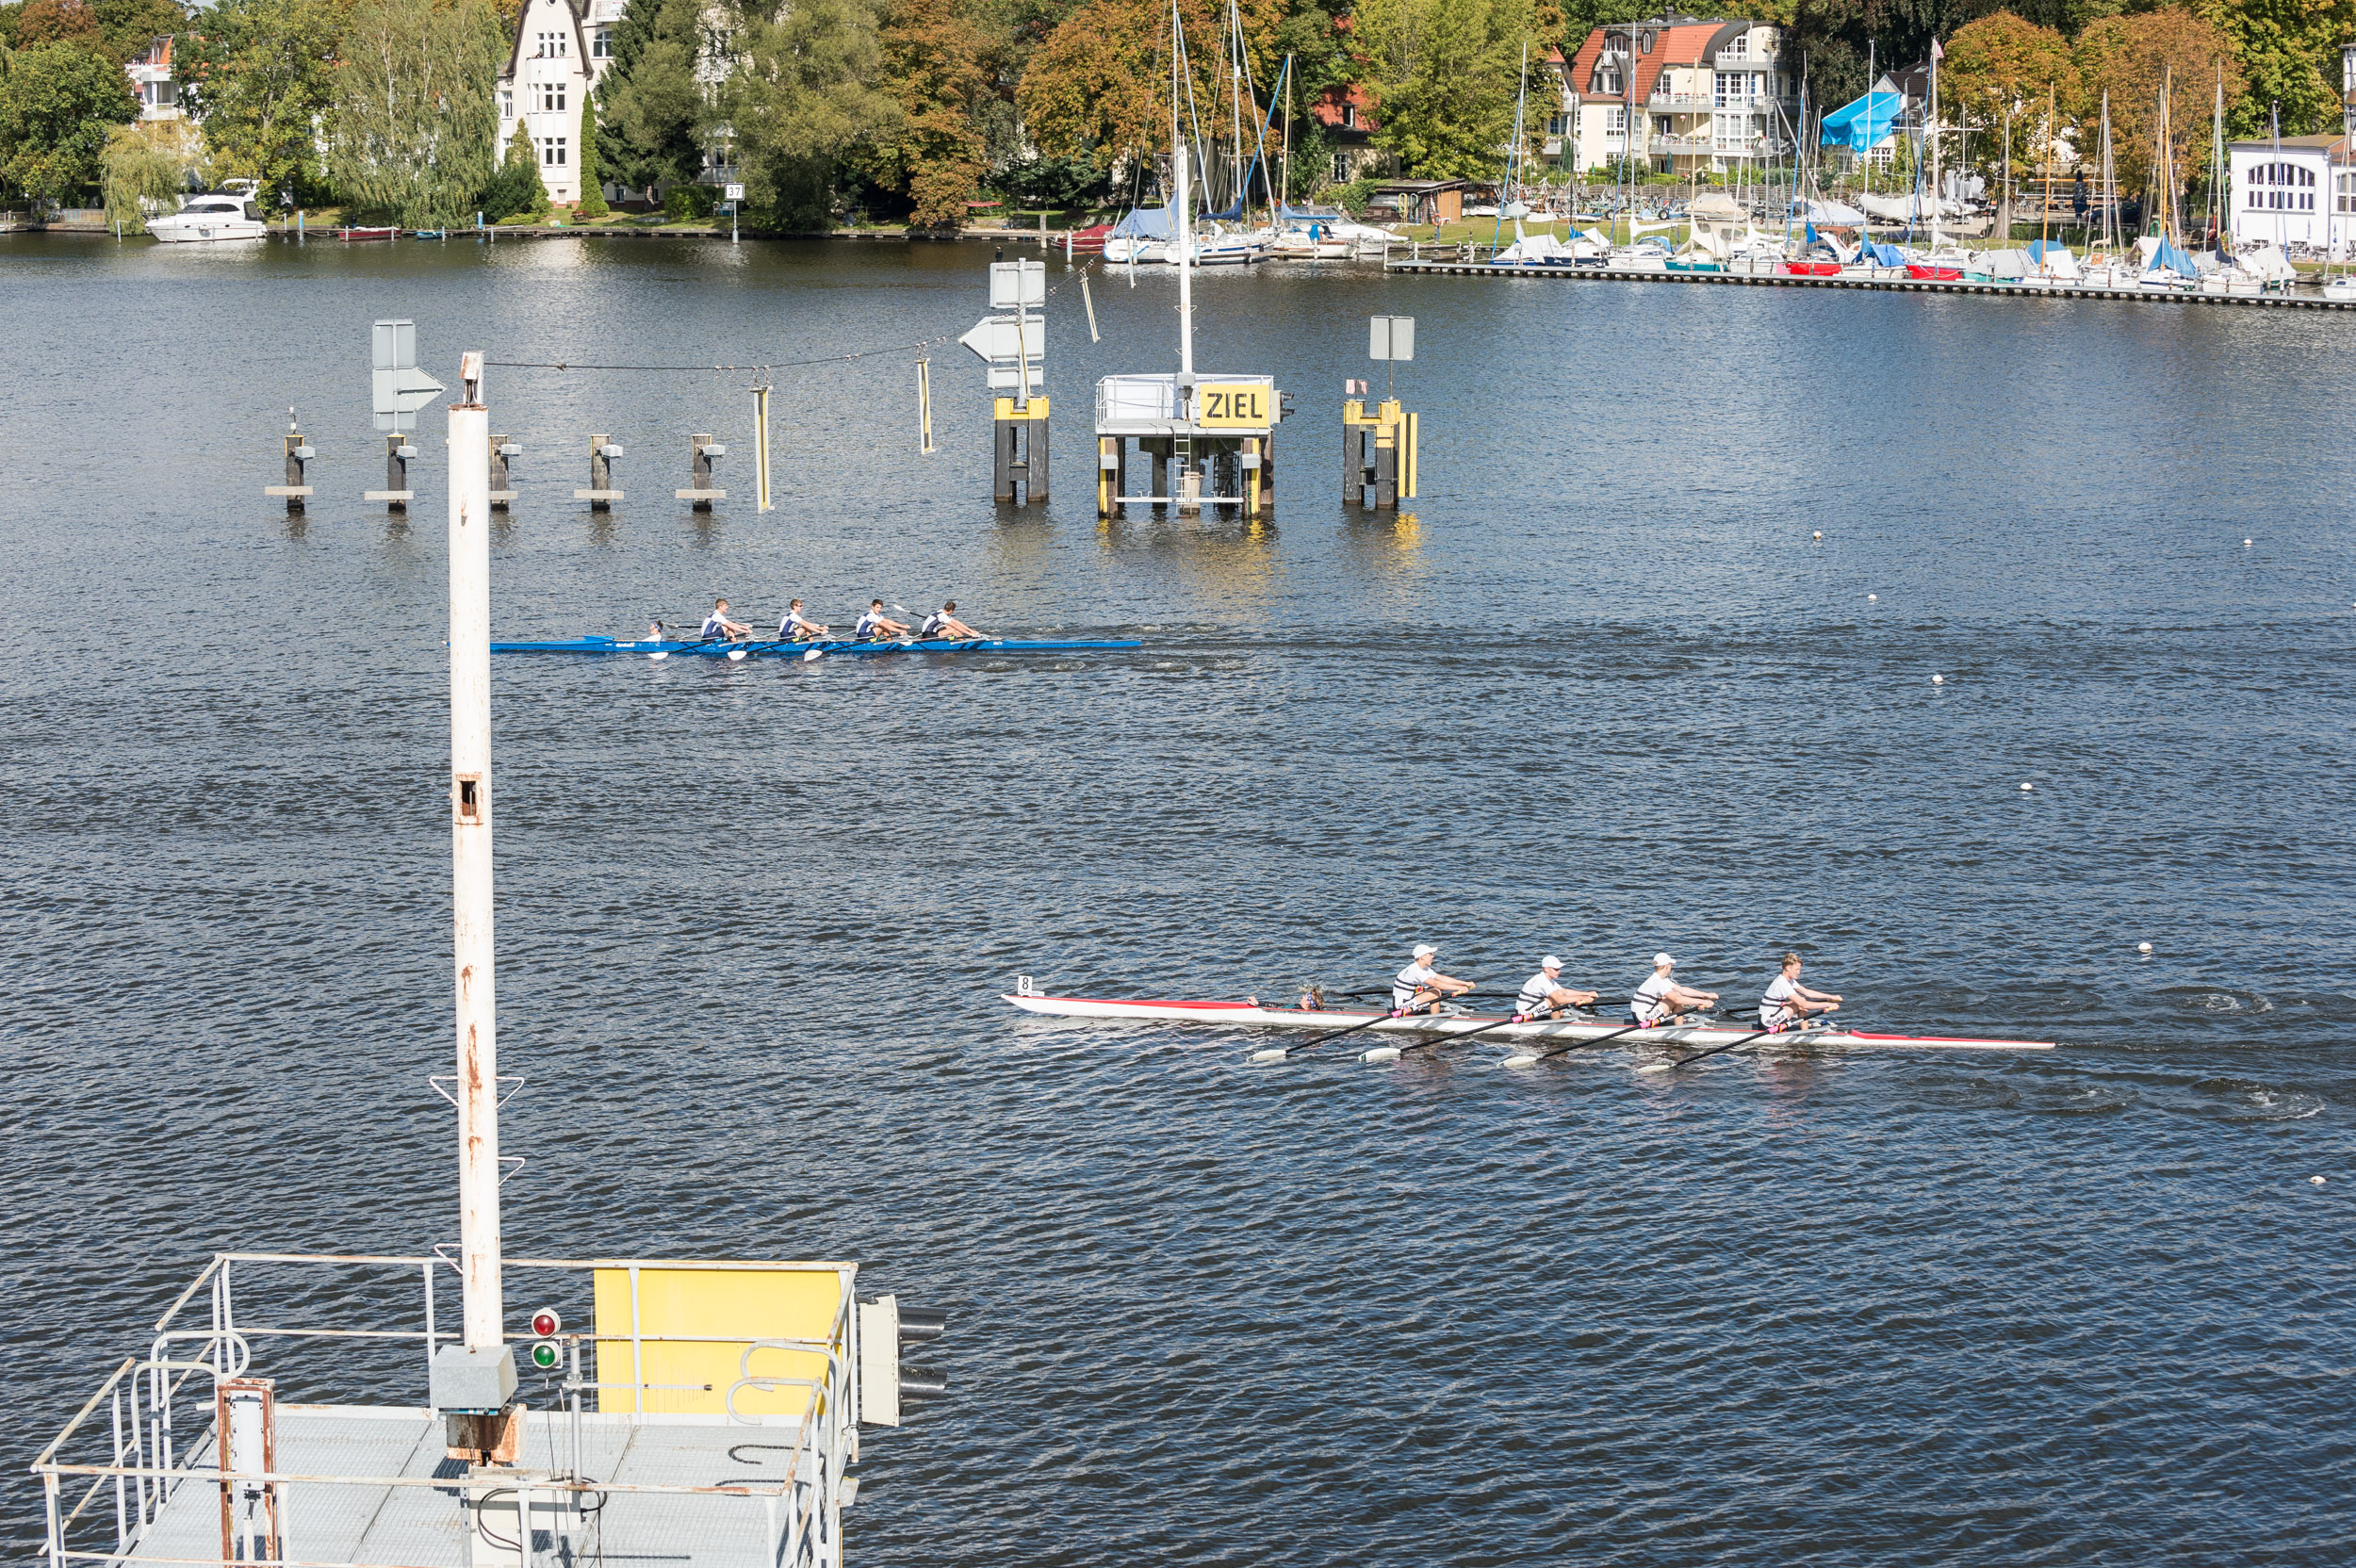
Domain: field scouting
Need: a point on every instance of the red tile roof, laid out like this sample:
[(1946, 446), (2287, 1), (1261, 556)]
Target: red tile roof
[(1674, 43)]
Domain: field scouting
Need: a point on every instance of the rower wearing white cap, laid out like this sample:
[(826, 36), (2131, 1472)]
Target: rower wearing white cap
[(1545, 990), (1788, 1004), (1660, 997), (1420, 983)]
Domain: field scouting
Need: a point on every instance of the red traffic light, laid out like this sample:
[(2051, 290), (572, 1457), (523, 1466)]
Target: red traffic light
[(546, 1324)]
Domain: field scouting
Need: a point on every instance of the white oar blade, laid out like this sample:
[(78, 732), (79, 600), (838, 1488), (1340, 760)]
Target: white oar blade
[(1519, 1061), (736, 656), (1380, 1054), (814, 653), (660, 653), (1275, 1055), (1655, 1067)]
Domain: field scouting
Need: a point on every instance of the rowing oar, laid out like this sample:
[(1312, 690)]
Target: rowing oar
[(1392, 1053), (1715, 1050), (1526, 1059), (1279, 1052)]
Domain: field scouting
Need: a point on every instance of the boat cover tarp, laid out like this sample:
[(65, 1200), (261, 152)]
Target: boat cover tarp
[(2006, 265), (1864, 124), (1873, 250), (2161, 253), (1145, 223), (1831, 214), (2050, 258), (1311, 214)]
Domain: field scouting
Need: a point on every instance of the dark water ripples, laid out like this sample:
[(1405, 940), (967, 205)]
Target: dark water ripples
[(1602, 693)]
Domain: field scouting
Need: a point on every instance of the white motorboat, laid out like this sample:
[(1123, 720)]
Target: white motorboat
[(1307, 242), (215, 214)]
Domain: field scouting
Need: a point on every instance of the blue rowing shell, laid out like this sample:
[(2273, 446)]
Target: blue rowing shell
[(771, 649)]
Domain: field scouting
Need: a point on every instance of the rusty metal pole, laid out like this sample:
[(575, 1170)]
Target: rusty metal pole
[(470, 859)]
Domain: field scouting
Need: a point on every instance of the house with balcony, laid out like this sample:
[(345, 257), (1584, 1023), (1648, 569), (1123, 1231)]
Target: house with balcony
[(1678, 96), (560, 52), (151, 81)]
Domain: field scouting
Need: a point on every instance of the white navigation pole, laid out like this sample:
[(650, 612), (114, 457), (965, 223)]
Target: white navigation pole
[(470, 859), (1184, 228)]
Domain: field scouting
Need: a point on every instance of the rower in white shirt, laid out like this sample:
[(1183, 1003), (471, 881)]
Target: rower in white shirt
[(797, 626), (1788, 1004), (717, 627), (1659, 999), (1420, 983), (944, 622), (877, 624), (1544, 991)]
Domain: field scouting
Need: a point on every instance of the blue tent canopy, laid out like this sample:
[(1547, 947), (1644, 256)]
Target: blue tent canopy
[(2040, 248), (1864, 124), (1880, 254), (1144, 223)]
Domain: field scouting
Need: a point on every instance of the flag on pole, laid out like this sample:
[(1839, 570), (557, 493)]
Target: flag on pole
[(1936, 53)]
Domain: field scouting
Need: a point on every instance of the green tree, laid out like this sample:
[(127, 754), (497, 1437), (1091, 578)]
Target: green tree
[(2136, 59), (1098, 87), (144, 166), (517, 190), (128, 26), (2289, 55), (57, 102), (2002, 70), (1444, 75), (804, 99), (592, 203), (414, 124), (656, 112), (60, 22), (935, 64), (259, 77)]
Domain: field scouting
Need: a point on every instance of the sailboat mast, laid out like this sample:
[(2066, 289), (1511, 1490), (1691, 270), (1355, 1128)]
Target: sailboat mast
[(1234, 106), (1287, 199), (2045, 213), (1936, 204)]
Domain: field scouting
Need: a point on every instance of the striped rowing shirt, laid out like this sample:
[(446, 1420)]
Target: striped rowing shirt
[(1776, 1008), (1647, 1006), (712, 626), (1408, 982), (870, 625), (795, 626), (934, 624), (1535, 990)]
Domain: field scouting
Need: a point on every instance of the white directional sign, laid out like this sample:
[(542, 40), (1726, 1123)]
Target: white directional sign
[(1003, 339), (1391, 337), (1016, 283), (400, 388)]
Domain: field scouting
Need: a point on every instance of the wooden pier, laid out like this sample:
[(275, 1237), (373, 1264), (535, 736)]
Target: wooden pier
[(1897, 286)]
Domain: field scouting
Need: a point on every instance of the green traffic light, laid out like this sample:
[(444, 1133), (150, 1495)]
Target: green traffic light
[(545, 1356)]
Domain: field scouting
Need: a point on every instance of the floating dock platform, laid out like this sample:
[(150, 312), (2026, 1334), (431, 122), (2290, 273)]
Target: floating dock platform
[(1896, 286)]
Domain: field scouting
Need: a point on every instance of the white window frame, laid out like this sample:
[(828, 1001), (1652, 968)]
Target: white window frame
[(552, 151)]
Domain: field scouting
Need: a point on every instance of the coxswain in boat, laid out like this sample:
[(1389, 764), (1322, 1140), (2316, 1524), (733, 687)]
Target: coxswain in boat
[(1660, 997), (1544, 991), (655, 633), (799, 628), (1788, 1004), (876, 624), (718, 627), (944, 622), (1419, 984)]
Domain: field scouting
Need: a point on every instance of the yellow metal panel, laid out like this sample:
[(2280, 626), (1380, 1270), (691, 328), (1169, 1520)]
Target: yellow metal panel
[(732, 1306), (1234, 405)]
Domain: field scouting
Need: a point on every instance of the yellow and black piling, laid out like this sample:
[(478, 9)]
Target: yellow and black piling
[(1378, 454), (1020, 449)]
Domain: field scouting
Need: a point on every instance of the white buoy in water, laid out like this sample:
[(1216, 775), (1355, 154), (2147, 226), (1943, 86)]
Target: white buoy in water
[(1871, 598), (2026, 788), (2143, 947), (2317, 1179), (1938, 680), (2245, 544), (1820, 533)]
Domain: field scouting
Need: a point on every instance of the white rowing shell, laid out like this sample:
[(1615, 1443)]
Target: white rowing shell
[(1243, 1015)]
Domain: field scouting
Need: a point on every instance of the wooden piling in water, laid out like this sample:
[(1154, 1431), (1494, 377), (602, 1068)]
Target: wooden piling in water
[(297, 489), (601, 495), (503, 493), (1018, 450), (395, 494), (700, 494)]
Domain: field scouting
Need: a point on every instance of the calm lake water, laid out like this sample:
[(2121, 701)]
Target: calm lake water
[(1601, 693)]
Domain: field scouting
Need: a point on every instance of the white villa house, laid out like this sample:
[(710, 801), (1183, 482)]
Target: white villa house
[(1677, 94), (561, 52), (2300, 192)]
